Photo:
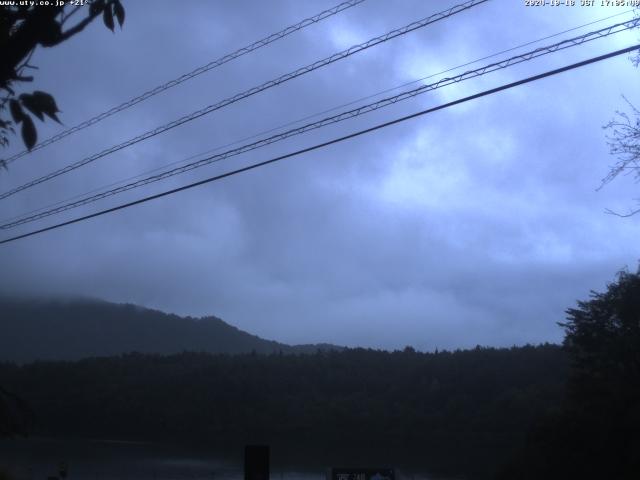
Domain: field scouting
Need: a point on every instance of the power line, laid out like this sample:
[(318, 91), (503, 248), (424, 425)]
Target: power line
[(194, 73), (330, 142), (487, 57), (334, 119), (308, 117), (575, 41), (252, 91)]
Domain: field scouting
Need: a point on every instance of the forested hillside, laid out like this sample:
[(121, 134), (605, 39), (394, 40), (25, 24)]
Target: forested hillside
[(465, 410), (74, 329)]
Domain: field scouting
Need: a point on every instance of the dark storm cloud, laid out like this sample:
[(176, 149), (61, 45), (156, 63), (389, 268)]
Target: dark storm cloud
[(477, 224)]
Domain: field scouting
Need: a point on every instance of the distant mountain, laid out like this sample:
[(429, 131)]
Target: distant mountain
[(73, 329)]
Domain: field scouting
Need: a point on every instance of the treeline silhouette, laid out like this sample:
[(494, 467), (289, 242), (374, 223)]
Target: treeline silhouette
[(462, 411)]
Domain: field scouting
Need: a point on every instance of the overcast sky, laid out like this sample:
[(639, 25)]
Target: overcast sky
[(478, 224)]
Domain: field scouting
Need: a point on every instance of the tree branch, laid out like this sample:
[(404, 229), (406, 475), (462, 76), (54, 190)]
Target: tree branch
[(631, 213), (70, 14), (25, 39), (77, 28)]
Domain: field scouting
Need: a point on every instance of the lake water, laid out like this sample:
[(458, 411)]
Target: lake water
[(40, 458)]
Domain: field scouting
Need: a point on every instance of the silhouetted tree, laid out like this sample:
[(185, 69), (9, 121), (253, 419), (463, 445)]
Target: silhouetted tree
[(596, 434), (624, 142), (603, 341), (22, 29)]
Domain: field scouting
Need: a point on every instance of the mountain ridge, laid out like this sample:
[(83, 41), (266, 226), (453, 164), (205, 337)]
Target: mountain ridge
[(70, 329)]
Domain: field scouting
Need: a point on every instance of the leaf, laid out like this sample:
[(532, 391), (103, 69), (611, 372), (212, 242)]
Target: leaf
[(107, 16), (47, 104), (29, 134), (118, 10), (16, 110), (32, 105)]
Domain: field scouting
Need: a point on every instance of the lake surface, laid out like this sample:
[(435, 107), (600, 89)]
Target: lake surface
[(40, 458)]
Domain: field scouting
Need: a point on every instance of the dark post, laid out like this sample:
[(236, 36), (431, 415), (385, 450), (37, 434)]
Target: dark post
[(63, 470), (256, 462)]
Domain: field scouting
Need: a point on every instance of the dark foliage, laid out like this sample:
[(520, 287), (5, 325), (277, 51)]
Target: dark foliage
[(23, 28), (456, 411), (597, 432)]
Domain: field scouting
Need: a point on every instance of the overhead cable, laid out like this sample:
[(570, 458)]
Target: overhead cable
[(328, 143), (308, 117), (252, 91), (385, 102), (188, 76)]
